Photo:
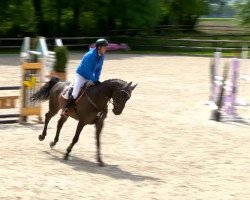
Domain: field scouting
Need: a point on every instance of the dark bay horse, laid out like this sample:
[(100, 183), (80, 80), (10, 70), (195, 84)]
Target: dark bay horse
[(90, 108)]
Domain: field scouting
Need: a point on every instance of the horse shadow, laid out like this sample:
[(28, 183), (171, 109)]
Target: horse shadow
[(112, 171)]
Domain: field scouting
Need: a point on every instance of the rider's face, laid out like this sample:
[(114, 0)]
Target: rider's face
[(102, 50)]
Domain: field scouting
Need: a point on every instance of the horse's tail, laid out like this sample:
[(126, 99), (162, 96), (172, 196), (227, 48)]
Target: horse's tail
[(43, 93)]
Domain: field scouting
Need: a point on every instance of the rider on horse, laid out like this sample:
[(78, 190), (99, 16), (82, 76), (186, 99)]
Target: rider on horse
[(88, 71)]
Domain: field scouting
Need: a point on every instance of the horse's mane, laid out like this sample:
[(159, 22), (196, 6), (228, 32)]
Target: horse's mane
[(116, 80)]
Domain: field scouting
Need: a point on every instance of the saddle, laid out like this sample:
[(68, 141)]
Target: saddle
[(67, 92)]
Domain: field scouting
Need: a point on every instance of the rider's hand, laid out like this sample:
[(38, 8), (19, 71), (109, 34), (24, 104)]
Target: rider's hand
[(97, 82)]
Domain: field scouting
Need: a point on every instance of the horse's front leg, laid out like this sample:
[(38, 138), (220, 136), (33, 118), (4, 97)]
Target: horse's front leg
[(99, 126), (48, 117), (75, 139), (60, 123)]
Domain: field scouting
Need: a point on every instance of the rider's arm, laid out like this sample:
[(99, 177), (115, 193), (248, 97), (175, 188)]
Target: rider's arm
[(86, 67), (98, 70)]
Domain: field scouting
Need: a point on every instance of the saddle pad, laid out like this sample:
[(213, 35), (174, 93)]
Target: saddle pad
[(68, 91)]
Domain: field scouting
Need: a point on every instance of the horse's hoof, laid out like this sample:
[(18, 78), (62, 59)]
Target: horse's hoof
[(41, 137), (66, 157), (101, 164), (217, 116), (52, 144)]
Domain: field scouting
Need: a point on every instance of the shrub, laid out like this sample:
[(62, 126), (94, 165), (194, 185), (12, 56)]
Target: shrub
[(61, 56)]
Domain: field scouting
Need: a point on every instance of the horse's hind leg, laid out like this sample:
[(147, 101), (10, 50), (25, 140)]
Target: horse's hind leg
[(60, 123), (75, 139), (48, 117)]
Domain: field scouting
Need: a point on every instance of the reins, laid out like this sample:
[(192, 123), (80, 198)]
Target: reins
[(94, 104), (108, 99)]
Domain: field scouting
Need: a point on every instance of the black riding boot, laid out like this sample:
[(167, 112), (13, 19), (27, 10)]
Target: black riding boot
[(69, 102)]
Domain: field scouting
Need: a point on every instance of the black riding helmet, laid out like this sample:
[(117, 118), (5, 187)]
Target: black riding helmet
[(101, 43)]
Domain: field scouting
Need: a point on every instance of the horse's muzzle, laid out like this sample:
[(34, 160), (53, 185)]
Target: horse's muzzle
[(117, 111)]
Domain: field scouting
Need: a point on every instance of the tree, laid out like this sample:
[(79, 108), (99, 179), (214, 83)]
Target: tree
[(37, 4), (54, 17), (243, 11), (221, 8), (16, 18), (81, 17), (219, 2), (182, 12), (126, 14)]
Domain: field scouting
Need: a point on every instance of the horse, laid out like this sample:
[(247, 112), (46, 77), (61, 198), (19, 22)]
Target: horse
[(90, 108)]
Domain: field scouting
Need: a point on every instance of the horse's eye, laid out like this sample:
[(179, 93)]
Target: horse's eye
[(125, 95)]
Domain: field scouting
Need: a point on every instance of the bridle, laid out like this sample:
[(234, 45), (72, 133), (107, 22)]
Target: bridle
[(126, 92), (113, 102), (109, 100)]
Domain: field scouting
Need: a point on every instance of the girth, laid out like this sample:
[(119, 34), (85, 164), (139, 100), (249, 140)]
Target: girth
[(68, 91)]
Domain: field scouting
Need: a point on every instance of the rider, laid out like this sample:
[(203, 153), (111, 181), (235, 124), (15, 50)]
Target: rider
[(88, 71)]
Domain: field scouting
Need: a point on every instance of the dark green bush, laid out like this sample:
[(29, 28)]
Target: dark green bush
[(61, 59)]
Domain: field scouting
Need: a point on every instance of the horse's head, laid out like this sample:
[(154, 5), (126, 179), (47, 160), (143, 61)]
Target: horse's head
[(121, 96)]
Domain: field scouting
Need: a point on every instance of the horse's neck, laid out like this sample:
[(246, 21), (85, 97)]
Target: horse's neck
[(116, 83), (110, 86), (100, 95), (106, 89)]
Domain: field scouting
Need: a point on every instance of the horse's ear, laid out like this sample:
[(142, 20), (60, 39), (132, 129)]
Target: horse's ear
[(128, 85), (133, 87)]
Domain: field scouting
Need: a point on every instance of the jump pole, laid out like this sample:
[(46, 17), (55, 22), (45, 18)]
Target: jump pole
[(231, 97), (216, 79)]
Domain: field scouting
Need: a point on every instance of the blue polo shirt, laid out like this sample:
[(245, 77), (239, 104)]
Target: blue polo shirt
[(91, 65)]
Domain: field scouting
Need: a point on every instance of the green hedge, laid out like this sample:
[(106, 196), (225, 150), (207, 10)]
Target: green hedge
[(61, 56)]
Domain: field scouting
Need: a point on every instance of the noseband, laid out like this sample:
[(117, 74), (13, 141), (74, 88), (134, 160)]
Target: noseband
[(113, 102)]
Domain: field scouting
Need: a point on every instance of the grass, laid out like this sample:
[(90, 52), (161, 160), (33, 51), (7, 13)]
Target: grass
[(221, 26), (216, 19)]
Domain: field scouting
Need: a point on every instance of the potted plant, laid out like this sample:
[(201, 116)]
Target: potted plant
[(60, 65)]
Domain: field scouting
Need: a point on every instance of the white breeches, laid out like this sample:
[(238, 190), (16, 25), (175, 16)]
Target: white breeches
[(79, 82)]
